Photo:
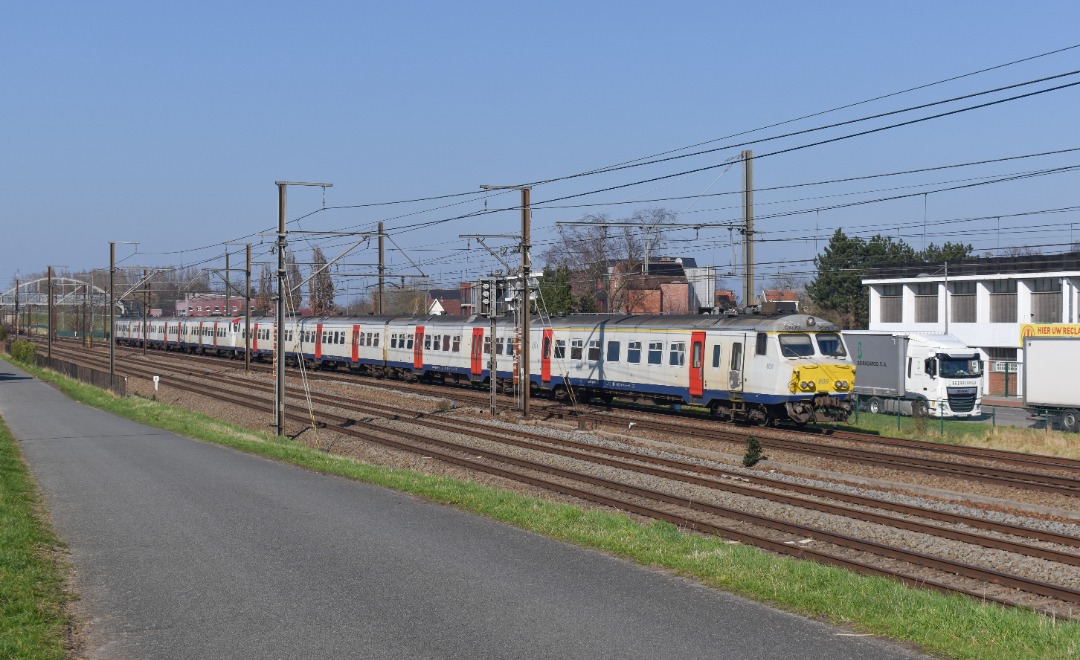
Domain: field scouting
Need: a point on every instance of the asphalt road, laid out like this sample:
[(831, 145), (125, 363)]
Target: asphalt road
[(188, 550)]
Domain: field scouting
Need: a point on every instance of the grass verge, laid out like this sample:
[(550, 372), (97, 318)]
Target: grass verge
[(968, 432), (954, 626), (33, 618)]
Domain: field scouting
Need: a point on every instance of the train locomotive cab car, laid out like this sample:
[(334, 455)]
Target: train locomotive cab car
[(754, 369)]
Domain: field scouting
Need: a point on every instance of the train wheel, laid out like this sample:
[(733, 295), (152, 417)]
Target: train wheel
[(559, 393), (1070, 421)]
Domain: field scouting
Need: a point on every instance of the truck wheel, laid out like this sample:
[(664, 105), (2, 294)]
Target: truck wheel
[(1070, 421), (919, 408), (874, 405)]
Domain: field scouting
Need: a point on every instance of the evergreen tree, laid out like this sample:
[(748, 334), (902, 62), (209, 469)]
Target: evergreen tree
[(555, 294)]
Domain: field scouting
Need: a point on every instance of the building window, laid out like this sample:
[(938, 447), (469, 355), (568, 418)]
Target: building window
[(962, 302), (892, 303), (1046, 300), (1003, 301), (926, 302)]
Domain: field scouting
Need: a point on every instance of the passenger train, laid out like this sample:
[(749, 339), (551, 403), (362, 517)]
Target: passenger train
[(751, 368)]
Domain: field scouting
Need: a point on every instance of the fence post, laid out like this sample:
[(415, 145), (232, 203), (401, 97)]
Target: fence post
[(898, 414), (941, 412)]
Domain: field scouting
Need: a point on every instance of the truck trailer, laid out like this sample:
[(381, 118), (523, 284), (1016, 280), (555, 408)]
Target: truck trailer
[(923, 374), (1048, 386)]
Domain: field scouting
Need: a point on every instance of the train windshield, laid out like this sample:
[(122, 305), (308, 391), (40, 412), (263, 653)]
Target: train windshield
[(960, 367), (829, 343), (796, 346)]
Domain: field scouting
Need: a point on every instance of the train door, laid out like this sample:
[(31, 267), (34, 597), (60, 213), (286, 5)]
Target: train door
[(418, 349), (215, 330), (254, 338), (201, 340), (355, 344), (477, 352), (735, 367), (697, 363), (545, 356), (165, 343), (318, 341)]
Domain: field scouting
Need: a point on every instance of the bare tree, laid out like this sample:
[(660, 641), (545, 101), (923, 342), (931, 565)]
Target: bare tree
[(321, 285), (604, 259), (292, 293), (264, 292)]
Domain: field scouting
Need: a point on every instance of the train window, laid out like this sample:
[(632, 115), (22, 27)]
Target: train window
[(736, 356), (796, 345), (762, 343), (633, 352), (829, 343), (341, 337), (446, 343), (560, 349), (545, 351), (695, 361), (409, 342), (594, 350), (427, 342), (613, 351), (487, 345), (393, 340), (677, 354), (375, 336), (656, 352), (498, 346), (575, 349), (457, 344)]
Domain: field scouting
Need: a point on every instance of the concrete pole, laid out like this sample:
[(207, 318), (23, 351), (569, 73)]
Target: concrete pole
[(526, 303), (50, 324), (112, 307), (146, 301), (748, 226), (247, 311), (228, 308), (279, 350), (382, 269)]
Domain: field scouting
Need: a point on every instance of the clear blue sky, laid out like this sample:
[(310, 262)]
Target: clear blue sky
[(168, 123)]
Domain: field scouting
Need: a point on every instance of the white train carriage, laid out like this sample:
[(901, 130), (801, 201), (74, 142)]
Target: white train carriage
[(752, 368), (456, 349)]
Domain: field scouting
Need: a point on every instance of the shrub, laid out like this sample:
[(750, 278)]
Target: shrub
[(754, 453), (23, 351)]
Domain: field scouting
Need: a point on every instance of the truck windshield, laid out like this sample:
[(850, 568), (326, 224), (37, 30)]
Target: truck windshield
[(829, 344), (960, 367), (796, 345)]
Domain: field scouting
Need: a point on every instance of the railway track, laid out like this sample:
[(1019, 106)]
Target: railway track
[(1057, 476), (767, 532)]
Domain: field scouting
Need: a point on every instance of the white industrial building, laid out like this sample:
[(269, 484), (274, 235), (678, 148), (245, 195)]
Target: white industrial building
[(986, 303)]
